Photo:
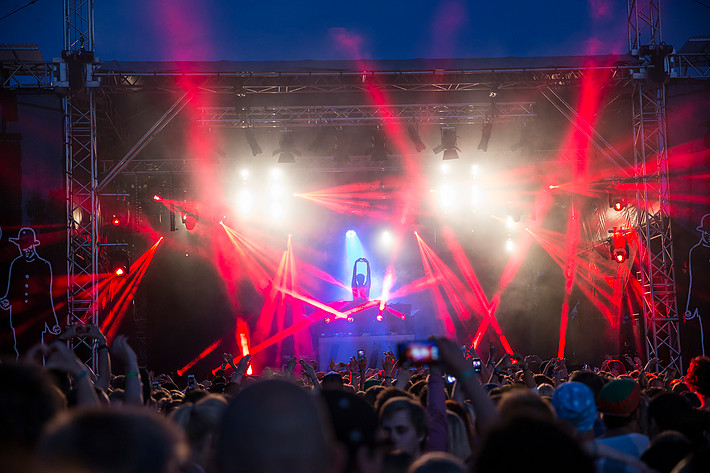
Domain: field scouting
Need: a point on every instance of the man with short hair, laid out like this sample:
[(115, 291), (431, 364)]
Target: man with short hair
[(404, 422)]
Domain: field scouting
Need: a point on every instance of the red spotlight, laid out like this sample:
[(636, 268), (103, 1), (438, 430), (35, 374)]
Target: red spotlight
[(120, 271), (116, 221), (619, 247), (351, 320), (617, 202), (157, 198)]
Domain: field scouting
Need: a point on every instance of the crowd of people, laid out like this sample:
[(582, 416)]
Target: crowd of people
[(508, 413)]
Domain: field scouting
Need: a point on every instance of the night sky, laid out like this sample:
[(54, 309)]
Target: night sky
[(287, 30)]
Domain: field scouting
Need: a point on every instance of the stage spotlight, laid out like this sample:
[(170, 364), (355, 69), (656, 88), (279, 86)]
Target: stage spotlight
[(618, 245), (617, 202), (413, 133), (119, 263), (445, 169), (350, 234), (245, 174), (350, 319), (448, 144), (509, 245), (509, 222), (157, 198), (386, 238), (116, 221), (190, 219), (475, 170), (378, 148), (251, 140), (485, 136), (287, 148), (379, 317)]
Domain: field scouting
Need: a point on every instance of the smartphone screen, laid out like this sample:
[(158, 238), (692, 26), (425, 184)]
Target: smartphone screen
[(476, 363), (419, 353), (360, 355)]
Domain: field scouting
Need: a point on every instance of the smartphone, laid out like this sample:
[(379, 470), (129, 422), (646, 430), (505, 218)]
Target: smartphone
[(191, 383), (450, 379), (476, 363), (418, 353), (361, 355), (156, 385)]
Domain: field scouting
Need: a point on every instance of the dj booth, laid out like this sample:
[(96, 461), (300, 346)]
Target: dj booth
[(372, 329)]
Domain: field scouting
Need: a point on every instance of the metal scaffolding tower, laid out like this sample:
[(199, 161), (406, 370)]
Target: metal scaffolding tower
[(656, 275), (76, 74)]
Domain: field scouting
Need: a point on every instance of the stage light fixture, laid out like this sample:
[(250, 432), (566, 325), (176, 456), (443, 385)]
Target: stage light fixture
[(251, 140), (509, 245), (379, 317), (378, 148), (448, 143), (245, 174), (119, 263), (485, 136), (157, 198), (617, 202), (287, 148), (116, 221), (190, 219), (475, 169), (618, 246), (386, 238), (413, 133), (350, 234)]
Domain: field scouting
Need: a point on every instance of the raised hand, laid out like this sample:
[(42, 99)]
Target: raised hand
[(389, 364), (244, 363)]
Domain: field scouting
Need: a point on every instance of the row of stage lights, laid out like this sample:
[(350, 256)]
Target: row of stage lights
[(378, 148)]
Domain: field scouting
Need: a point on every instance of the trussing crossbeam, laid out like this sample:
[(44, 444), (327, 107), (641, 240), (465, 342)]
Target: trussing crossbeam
[(350, 115)]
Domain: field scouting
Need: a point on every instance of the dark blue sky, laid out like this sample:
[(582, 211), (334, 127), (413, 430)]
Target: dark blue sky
[(385, 29)]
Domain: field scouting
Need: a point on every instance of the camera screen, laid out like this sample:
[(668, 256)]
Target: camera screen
[(420, 353)]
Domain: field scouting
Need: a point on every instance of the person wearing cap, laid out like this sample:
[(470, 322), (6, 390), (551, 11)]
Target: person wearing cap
[(574, 403), (29, 292), (619, 402), (698, 270)]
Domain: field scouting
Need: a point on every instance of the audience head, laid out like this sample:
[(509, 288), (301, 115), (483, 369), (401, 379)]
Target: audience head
[(519, 445), (113, 441), (404, 422), (28, 401), (437, 462), (574, 402), (698, 377), (618, 400), (273, 426)]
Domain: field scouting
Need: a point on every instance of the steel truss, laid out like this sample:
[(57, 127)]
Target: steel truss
[(81, 179), (351, 115), (656, 274)]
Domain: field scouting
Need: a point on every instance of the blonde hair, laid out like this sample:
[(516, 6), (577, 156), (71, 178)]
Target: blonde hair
[(459, 445)]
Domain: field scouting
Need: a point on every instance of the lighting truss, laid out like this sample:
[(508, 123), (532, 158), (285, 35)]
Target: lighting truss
[(657, 278), (351, 115), (81, 185)]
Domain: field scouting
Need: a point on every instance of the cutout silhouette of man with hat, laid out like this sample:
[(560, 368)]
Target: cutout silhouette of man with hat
[(698, 271), (29, 292)]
